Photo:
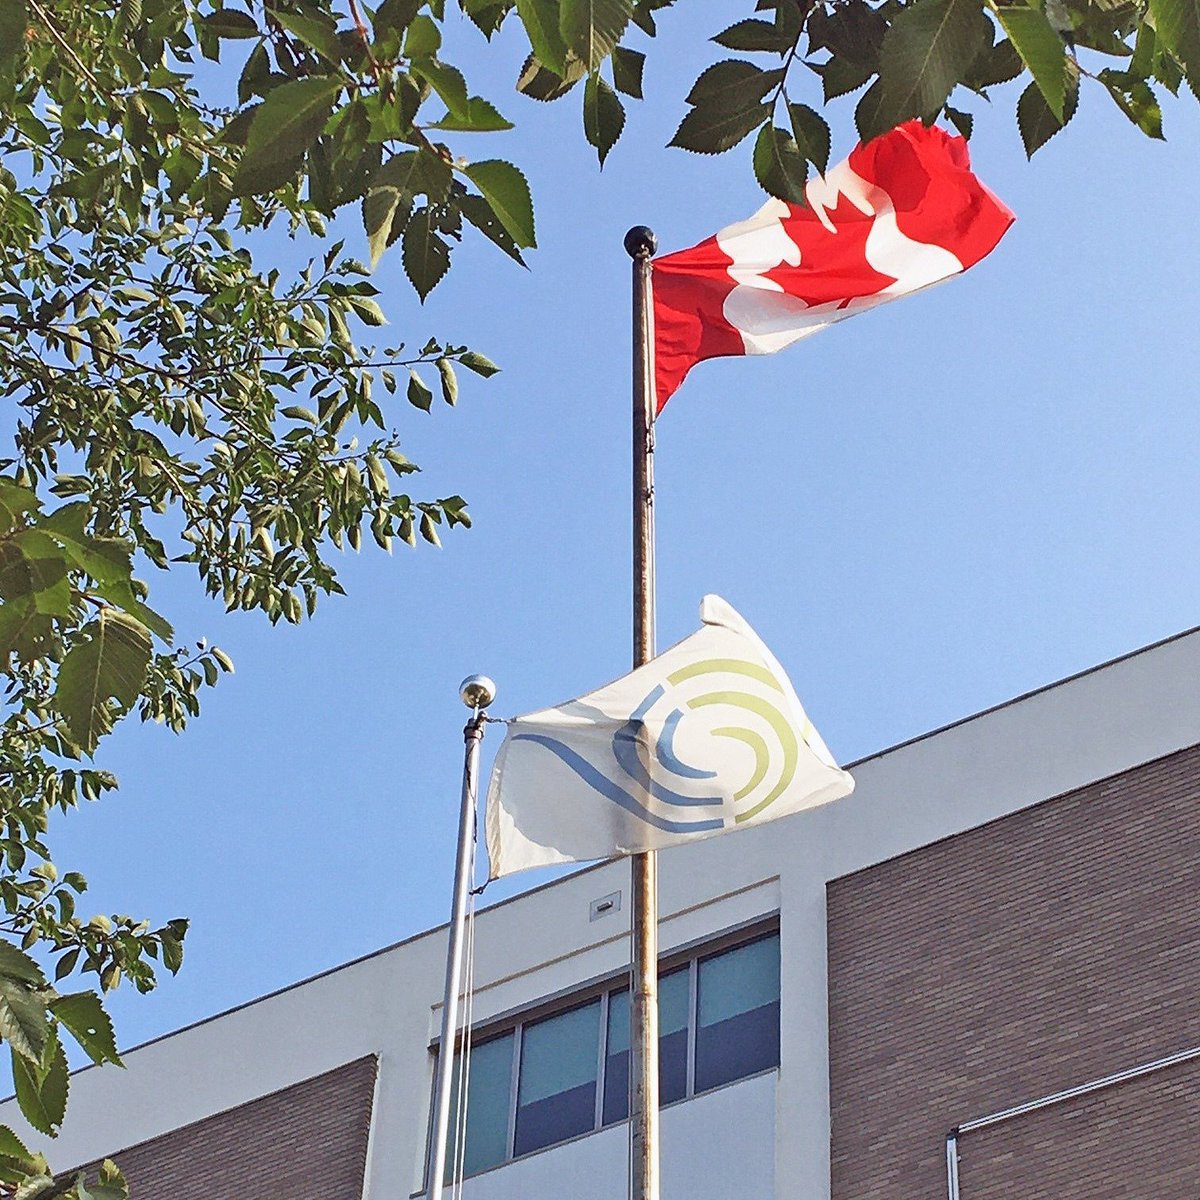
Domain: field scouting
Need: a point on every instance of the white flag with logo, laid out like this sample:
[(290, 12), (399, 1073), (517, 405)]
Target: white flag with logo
[(707, 737)]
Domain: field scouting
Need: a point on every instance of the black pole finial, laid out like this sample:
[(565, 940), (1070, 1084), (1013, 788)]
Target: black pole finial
[(639, 241)]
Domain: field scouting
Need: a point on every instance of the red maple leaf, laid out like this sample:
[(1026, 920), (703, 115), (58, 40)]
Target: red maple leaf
[(833, 265)]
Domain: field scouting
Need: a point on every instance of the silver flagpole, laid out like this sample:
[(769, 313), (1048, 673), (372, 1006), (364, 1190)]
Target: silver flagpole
[(477, 693), (640, 243)]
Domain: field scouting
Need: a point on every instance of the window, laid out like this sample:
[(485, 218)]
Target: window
[(487, 1107), (674, 1001), (737, 1027), (718, 1022), (556, 1087)]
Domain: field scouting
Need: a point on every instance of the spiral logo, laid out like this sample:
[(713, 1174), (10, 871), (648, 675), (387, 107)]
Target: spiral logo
[(710, 746)]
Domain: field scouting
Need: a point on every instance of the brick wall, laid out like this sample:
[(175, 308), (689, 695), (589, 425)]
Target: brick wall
[(1049, 948), (307, 1142)]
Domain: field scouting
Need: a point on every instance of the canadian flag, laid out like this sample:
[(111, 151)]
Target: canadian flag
[(900, 214)]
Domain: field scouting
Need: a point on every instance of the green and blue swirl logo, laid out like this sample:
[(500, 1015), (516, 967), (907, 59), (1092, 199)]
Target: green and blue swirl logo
[(709, 747)]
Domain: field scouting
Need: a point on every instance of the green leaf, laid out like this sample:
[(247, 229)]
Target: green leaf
[(395, 16), (287, 122), (962, 121), (15, 580), (51, 586), (230, 23), (15, 502), (869, 113), (754, 35), (603, 116), (42, 1086), (66, 964), (733, 84), (449, 381), (238, 127), (429, 530), (928, 49), (1177, 27), (108, 561), (318, 35), (172, 952), (812, 135), (368, 311), (256, 74), (487, 15), (377, 475), (541, 19), (23, 1021), (394, 185), (538, 82), (448, 82), (998, 65), (1041, 49), (22, 628), (11, 1146), (852, 31), (480, 116), (643, 14), (840, 76), (711, 129), (1136, 100), (423, 39), (82, 1013), (110, 1183), (1167, 70), (297, 412), (1142, 63), (1094, 35), (17, 965), (105, 669), (591, 28), (426, 256), (1035, 120), (34, 565), (419, 394), (14, 20), (479, 212), (779, 167), (478, 363), (506, 190), (627, 68)]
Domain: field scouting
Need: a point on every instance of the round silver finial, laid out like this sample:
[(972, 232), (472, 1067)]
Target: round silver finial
[(477, 691)]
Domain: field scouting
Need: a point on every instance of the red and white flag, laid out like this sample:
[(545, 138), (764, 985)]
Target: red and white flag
[(900, 214)]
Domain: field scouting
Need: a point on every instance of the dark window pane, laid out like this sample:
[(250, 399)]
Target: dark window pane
[(672, 1046), (488, 1096), (673, 1007), (556, 1089), (616, 1061), (738, 1013)]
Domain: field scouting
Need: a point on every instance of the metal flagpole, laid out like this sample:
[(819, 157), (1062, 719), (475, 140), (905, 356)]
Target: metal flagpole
[(640, 243), (477, 693)]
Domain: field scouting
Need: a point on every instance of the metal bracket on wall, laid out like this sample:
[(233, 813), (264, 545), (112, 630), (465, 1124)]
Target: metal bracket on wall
[(1020, 1110)]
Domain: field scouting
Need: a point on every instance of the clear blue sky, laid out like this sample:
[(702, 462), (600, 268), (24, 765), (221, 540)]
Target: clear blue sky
[(924, 511)]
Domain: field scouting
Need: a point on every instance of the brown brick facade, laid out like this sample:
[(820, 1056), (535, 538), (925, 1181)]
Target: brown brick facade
[(1055, 946), (307, 1142)]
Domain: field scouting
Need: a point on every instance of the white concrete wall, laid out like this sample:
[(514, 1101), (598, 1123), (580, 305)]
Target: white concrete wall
[(716, 1147), (1084, 729)]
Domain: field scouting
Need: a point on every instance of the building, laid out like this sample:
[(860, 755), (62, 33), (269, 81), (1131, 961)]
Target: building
[(1005, 912)]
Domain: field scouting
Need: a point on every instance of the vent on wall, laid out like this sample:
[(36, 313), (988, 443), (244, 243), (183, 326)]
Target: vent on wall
[(604, 906)]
